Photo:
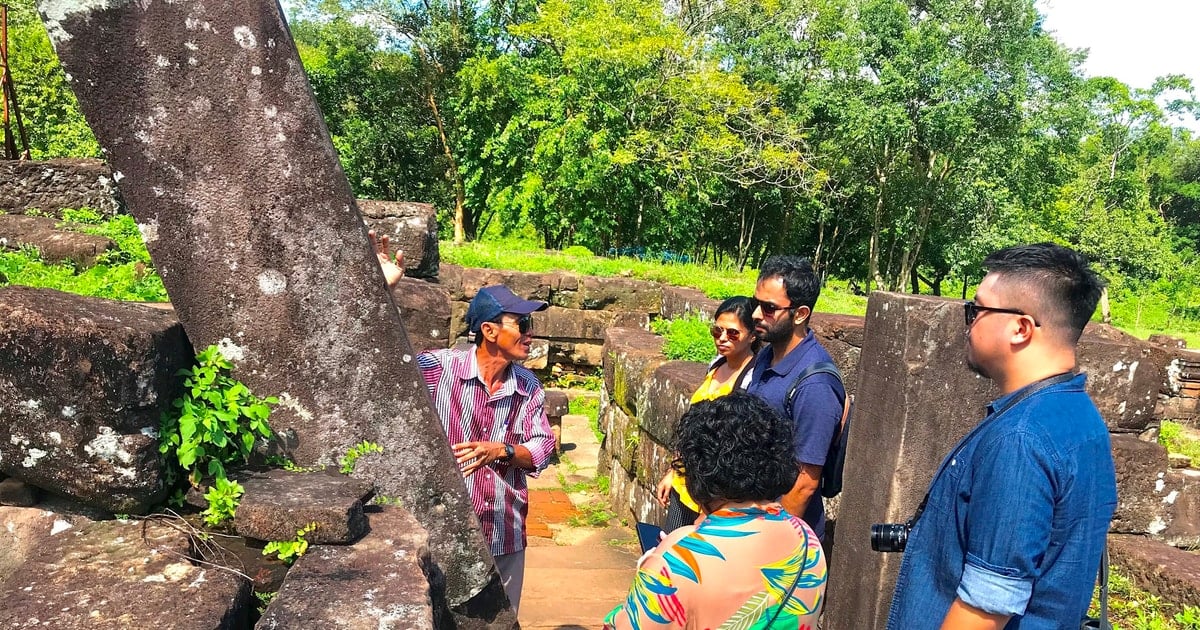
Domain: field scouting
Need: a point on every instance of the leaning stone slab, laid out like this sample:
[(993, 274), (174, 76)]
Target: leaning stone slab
[(1170, 573), (425, 311), (1125, 375), (411, 228), (278, 502), (54, 244), (260, 244), (630, 355), (383, 582), (121, 574), (82, 392)]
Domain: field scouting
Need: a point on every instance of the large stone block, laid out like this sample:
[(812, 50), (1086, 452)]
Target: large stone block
[(51, 185), (632, 500), (425, 311), (531, 286), (260, 244), (680, 301), (1169, 573), (81, 394), (1141, 486), (411, 227), (24, 530), (1125, 376), (121, 574), (916, 399), (630, 355), (54, 244), (573, 324), (846, 328), (276, 503), (613, 294), (382, 582), (667, 396), (578, 354), (620, 435)]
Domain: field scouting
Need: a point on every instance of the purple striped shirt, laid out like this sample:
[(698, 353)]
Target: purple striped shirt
[(514, 415)]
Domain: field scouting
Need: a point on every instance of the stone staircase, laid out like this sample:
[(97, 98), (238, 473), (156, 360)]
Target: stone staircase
[(575, 573)]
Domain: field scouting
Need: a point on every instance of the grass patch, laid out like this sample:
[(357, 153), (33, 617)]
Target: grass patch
[(687, 338), (594, 514), (1177, 439), (1130, 608), (575, 380)]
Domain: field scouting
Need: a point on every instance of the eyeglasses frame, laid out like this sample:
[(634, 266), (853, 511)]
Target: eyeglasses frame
[(971, 312)]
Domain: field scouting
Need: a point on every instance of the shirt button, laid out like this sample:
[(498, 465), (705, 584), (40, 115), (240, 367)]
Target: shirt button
[(953, 462)]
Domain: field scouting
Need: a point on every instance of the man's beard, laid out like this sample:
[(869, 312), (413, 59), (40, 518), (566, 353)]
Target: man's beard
[(780, 330)]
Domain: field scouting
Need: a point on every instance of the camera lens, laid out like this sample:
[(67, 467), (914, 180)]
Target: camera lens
[(889, 537)]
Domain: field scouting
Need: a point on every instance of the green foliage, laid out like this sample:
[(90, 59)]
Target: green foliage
[(350, 459), (590, 407), (1178, 439), (223, 497), (215, 421), (125, 273), (49, 110), (687, 338), (578, 251), (289, 550), (1131, 608), (264, 600), (593, 514), (383, 499), (1189, 618), (575, 380), (289, 465)]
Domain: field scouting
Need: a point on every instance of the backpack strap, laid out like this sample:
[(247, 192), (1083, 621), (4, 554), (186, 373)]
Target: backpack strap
[(820, 367)]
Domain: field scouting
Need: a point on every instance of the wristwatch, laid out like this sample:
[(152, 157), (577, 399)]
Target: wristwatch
[(509, 452)]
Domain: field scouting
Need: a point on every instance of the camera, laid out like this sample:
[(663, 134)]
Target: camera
[(889, 537)]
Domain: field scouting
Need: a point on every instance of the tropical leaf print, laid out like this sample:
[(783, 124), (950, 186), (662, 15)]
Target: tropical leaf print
[(749, 614), (780, 575), (695, 543), (683, 563), (644, 598)]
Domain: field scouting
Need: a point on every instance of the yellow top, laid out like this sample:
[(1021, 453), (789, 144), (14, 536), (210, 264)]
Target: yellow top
[(708, 390)]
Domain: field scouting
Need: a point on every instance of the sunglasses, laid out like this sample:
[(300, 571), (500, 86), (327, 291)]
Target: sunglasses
[(524, 324), (770, 309), (732, 334), (972, 310)]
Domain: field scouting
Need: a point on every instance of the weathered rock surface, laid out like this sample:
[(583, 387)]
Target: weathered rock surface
[(1125, 376), (55, 245), (562, 323), (1165, 571), (24, 530), (120, 574), (52, 185), (1153, 497), (411, 227), (680, 301), (667, 395), (630, 356), (278, 502), (259, 242), (916, 398), (81, 392), (612, 294), (382, 582), (425, 311), (18, 493)]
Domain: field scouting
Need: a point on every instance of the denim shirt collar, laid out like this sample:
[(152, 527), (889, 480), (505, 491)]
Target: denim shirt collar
[(1078, 381)]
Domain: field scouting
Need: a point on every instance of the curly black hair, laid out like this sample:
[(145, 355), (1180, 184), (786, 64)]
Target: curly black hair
[(735, 448)]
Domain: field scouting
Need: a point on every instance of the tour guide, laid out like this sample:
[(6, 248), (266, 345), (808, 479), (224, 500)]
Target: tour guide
[(493, 412), (1014, 525)]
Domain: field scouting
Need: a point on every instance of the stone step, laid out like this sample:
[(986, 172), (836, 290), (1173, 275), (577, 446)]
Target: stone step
[(574, 586)]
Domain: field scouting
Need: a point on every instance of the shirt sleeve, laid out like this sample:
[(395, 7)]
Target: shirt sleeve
[(431, 369), (1007, 528), (535, 433), (816, 416)]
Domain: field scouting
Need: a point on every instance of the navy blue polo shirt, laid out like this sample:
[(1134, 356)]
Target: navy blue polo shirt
[(816, 409)]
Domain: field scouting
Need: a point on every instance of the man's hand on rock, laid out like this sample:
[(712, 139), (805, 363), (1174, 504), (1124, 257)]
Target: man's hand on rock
[(471, 456), (392, 270)]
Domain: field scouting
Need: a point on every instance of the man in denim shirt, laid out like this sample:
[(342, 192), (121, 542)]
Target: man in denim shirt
[(1016, 517)]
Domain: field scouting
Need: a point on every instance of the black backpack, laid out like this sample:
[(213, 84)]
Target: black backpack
[(831, 472)]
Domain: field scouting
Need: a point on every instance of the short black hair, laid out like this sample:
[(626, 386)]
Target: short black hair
[(1066, 288), (743, 308), (735, 448), (799, 280)]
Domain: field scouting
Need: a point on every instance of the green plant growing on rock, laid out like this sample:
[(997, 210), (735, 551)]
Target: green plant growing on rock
[(215, 422), (223, 497), (350, 459), (687, 338), (289, 550)]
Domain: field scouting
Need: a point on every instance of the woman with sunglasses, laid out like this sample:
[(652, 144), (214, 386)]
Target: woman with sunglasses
[(736, 348)]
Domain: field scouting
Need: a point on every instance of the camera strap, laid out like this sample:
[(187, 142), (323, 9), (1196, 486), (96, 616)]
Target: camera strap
[(1025, 393)]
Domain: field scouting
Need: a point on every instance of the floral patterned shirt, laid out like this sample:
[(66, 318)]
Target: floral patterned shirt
[(732, 571)]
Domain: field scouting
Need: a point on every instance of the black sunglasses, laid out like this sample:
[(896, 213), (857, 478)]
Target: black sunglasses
[(770, 309), (524, 323), (972, 311), (732, 333)]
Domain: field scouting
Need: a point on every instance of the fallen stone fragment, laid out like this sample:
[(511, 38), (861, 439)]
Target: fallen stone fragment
[(383, 581), (25, 529), (411, 227), (1170, 573), (278, 502), (125, 574), (54, 244)]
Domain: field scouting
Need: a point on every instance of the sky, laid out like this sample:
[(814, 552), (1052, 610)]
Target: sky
[(1131, 40)]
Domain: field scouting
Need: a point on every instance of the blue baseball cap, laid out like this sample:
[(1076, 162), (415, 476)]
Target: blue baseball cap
[(491, 302)]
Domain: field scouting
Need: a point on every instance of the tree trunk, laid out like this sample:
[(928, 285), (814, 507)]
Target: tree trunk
[(874, 278), (1105, 313), (460, 214)]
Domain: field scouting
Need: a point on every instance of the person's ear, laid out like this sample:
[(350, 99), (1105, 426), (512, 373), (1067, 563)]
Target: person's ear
[(802, 315), (489, 331), (1022, 330)]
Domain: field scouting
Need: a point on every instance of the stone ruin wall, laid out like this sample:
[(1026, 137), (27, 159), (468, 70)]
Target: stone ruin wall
[(51, 185)]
